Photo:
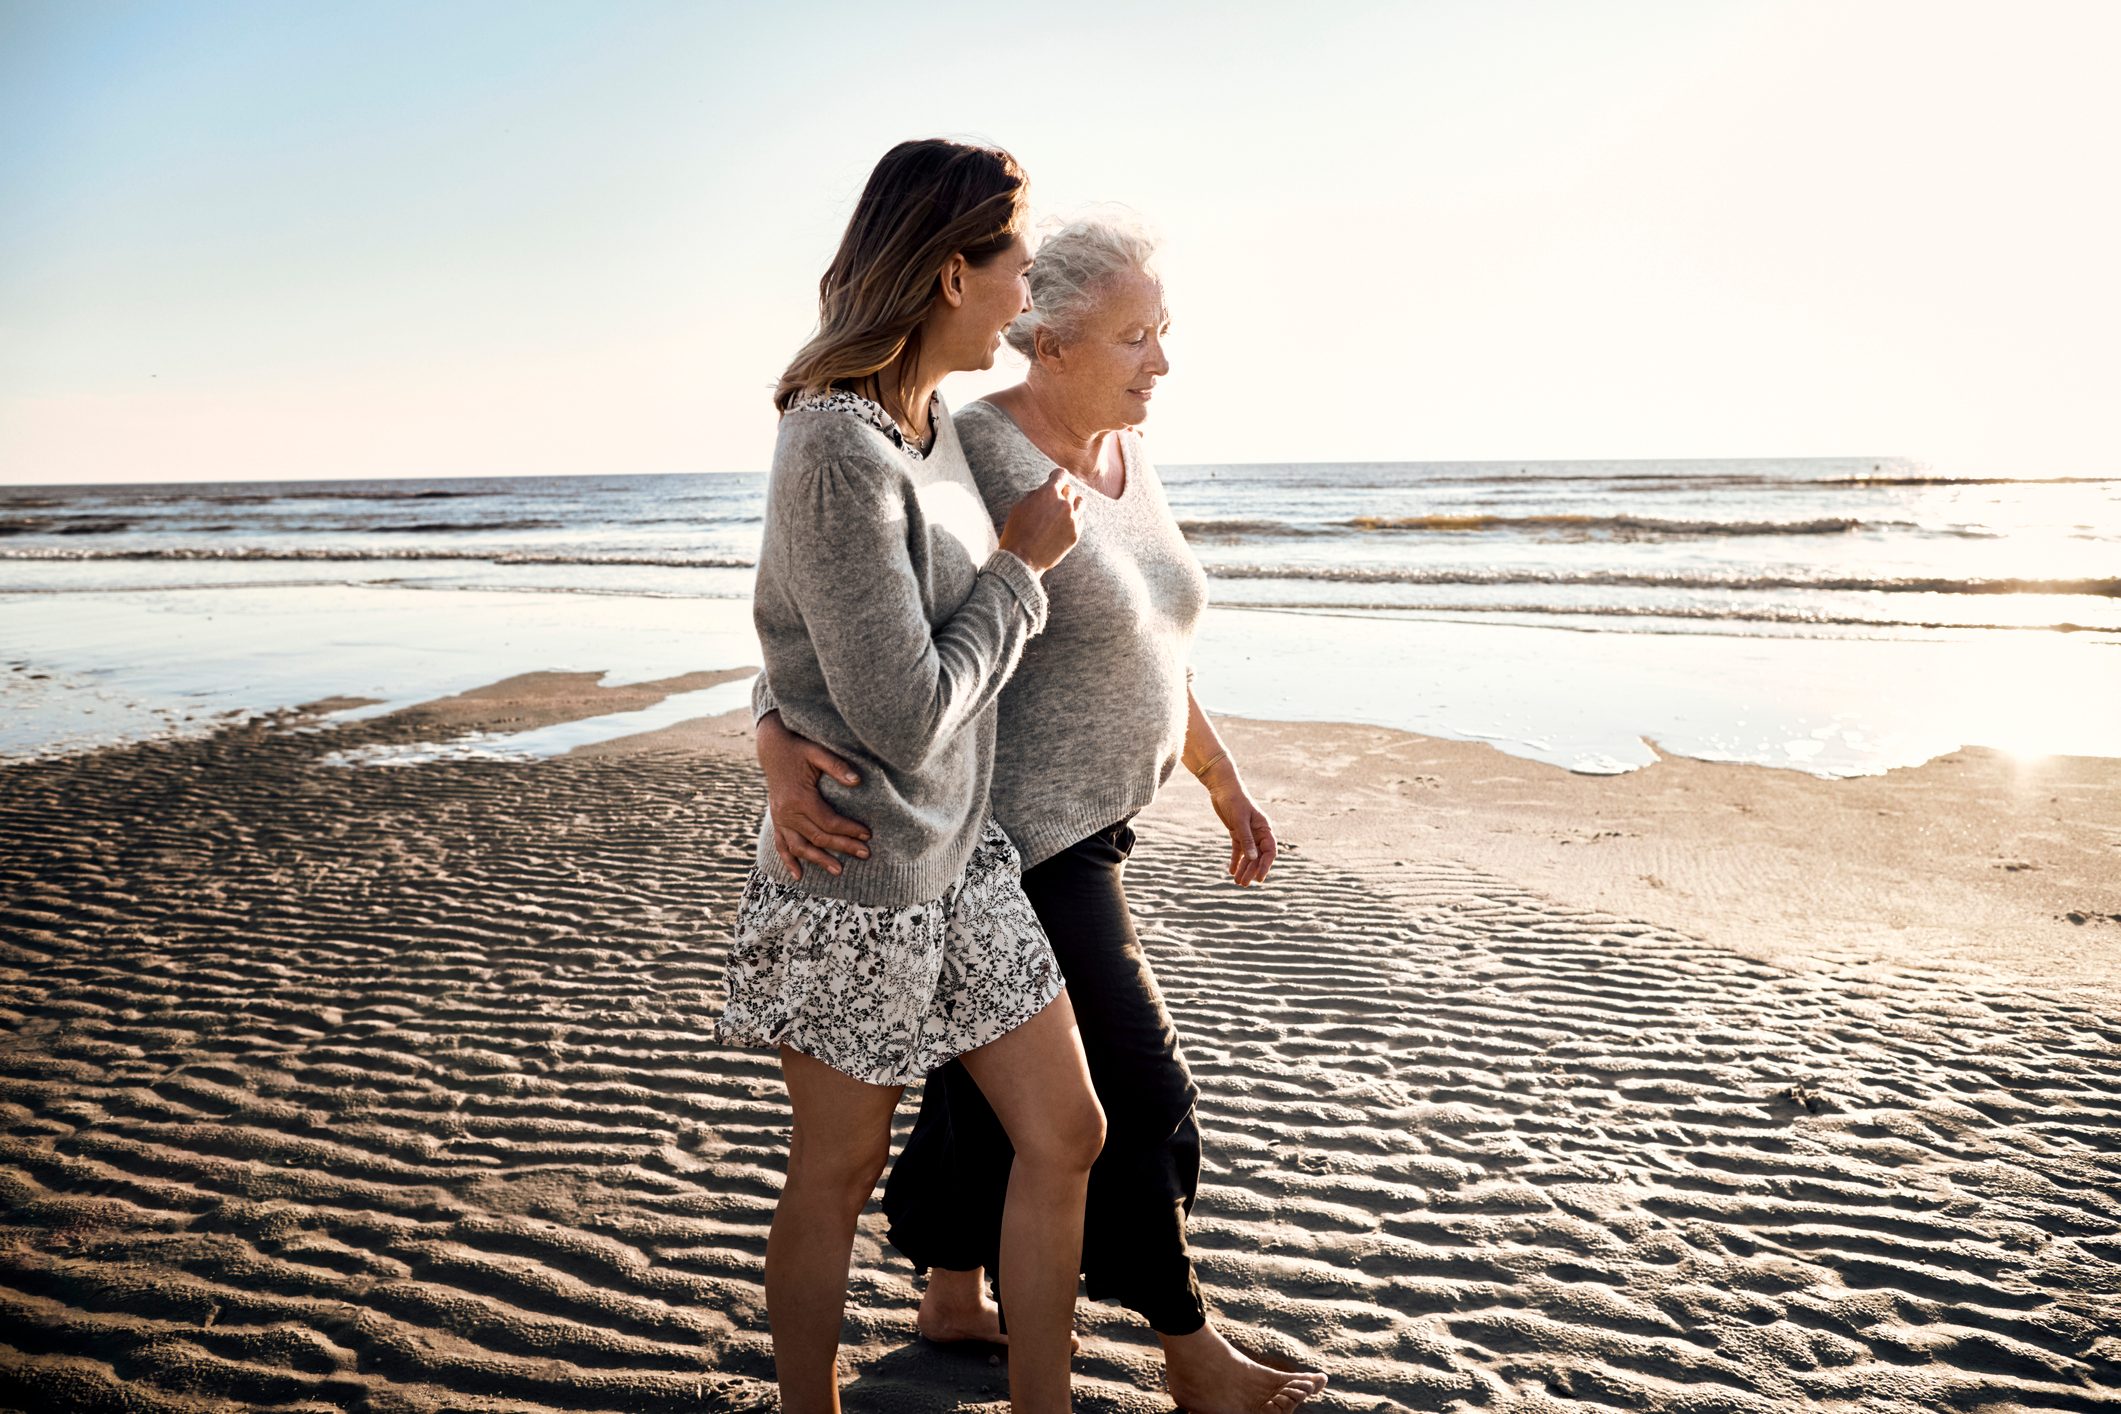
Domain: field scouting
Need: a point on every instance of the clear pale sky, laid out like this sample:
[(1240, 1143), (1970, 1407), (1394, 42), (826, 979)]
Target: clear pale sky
[(324, 239)]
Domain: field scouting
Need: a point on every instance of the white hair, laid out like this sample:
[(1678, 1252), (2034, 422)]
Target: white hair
[(1072, 262)]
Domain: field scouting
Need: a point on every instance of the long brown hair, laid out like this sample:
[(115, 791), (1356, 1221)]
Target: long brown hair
[(926, 201)]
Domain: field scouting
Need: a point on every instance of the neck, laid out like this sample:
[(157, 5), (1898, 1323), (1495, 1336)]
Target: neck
[(906, 393), (1069, 441)]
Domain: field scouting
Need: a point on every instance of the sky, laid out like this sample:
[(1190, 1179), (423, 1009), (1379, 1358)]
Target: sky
[(283, 241)]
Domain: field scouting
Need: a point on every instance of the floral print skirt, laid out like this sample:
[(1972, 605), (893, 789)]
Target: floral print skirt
[(888, 994)]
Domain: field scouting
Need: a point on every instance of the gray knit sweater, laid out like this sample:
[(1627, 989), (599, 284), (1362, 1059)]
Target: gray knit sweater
[(1095, 716), (889, 621)]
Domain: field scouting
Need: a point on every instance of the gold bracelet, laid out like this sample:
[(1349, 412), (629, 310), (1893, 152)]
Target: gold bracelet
[(1211, 765)]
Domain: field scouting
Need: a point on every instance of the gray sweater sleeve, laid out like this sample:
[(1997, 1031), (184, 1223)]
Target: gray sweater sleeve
[(902, 686)]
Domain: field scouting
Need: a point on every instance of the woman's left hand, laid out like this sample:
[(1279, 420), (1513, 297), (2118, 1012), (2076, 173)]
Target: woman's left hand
[(1252, 845)]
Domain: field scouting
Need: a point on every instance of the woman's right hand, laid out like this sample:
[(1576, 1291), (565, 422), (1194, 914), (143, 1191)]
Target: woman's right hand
[(1044, 525), (805, 826)]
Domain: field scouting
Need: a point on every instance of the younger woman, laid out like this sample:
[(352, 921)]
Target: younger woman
[(890, 613)]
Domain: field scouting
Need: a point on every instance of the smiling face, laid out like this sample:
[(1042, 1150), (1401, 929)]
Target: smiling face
[(988, 297), (1106, 374)]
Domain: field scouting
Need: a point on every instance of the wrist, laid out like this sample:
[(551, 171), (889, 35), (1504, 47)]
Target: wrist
[(779, 751), (1217, 768), (1023, 556)]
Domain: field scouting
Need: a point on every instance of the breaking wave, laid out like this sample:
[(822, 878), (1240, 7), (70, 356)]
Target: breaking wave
[(2099, 588), (315, 554)]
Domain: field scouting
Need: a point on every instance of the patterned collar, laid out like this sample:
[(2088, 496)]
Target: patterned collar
[(872, 412)]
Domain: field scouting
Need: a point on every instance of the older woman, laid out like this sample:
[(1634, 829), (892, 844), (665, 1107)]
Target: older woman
[(1098, 713)]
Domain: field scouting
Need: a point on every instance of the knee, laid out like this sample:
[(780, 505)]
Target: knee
[(1086, 1134), (843, 1171), (1070, 1137)]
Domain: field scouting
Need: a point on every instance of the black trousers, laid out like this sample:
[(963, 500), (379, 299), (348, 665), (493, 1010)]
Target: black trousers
[(945, 1194)]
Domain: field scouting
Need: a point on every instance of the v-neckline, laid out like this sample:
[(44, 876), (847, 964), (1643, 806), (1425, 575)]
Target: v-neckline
[(1127, 469), (1126, 472)]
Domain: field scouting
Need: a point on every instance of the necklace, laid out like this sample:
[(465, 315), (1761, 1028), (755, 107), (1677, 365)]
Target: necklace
[(905, 427)]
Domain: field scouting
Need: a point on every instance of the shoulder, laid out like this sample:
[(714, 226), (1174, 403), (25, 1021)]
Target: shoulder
[(995, 446), (981, 412), (1003, 462), (830, 430), (815, 442), (1135, 448), (830, 470), (985, 425), (1149, 505)]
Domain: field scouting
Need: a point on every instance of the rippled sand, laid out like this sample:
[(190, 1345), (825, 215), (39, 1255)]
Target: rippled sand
[(393, 1089)]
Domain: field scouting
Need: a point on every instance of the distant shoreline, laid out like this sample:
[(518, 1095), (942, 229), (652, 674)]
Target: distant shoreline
[(1834, 616), (87, 668)]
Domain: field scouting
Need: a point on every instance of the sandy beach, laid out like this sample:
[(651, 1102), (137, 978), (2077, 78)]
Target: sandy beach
[(1631, 484), (1705, 1088)]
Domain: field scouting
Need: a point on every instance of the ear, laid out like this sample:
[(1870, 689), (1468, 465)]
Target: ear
[(1045, 346), (952, 280)]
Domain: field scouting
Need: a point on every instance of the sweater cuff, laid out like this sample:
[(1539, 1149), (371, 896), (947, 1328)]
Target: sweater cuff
[(762, 698), (1023, 581)]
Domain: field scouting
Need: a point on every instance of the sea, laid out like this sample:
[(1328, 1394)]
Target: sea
[(1840, 616)]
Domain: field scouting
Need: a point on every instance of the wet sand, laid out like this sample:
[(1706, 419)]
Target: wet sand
[(393, 1088), (1978, 860)]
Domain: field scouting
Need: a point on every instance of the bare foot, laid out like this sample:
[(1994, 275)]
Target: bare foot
[(956, 1307), (1208, 1375)]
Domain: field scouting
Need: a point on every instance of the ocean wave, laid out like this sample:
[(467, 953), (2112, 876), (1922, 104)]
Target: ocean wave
[(1621, 527), (1617, 478), (1639, 579), (451, 527), (317, 554), (64, 525), (320, 493), (1860, 482), (1885, 480), (1691, 612), (1247, 529), (1613, 525), (163, 497)]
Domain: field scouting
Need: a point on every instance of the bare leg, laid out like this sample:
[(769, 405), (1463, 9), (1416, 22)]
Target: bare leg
[(842, 1135), (1208, 1375), (1039, 1087)]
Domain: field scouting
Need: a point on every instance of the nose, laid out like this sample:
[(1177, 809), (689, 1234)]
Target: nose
[(1158, 364)]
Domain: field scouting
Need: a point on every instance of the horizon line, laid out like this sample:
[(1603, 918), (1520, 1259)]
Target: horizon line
[(1878, 459)]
